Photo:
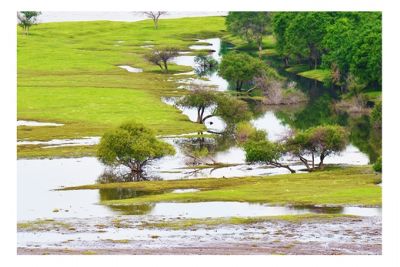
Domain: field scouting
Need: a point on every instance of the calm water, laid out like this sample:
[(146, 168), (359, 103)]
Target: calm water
[(37, 178)]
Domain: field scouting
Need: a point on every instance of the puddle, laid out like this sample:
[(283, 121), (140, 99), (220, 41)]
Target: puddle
[(214, 44), (87, 141), (37, 123), (180, 191), (243, 209), (130, 69), (147, 46)]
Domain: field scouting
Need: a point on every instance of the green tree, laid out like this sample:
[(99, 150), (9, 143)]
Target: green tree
[(161, 57), (132, 145), (26, 19), (264, 151), (240, 68), (280, 22), (305, 33), (205, 65), (200, 98), (229, 108), (250, 26), (320, 141)]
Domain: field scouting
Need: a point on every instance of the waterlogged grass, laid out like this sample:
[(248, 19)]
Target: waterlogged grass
[(37, 151), (68, 73), (44, 225), (336, 185), (210, 223)]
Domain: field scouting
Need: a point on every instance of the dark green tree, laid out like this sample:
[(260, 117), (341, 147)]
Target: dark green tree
[(250, 26), (131, 145)]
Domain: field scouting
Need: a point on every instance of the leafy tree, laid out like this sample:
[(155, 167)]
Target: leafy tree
[(240, 68), (250, 26), (132, 145), (161, 57), (320, 141), (26, 19), (264, 151), (200, 98), (229, 108), (280, 22), (305, 33), (155, 16)]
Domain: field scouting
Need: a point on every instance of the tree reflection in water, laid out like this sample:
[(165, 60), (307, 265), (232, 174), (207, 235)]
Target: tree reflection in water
[(125, 193)]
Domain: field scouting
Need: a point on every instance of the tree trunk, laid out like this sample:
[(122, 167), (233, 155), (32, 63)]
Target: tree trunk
[(313, 160), (321, 163), (304, 160), (166, 66), (277, 164)]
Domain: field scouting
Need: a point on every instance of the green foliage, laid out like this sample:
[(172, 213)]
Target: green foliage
[(250, 26), (376, 115), (321, 141), (245, 132), (263, 151), (161, 56), (229, 108), (347, 43), (378, 165), (240, 68), (131, 145)]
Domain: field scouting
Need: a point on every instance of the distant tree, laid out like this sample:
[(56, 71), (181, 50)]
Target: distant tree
[(155, 16), (26, 19), (161, 56), (250, 26), (205, 65), (229, 108), (201, 98), (320, 141), (240, 68), (132, 145), (264, 151)]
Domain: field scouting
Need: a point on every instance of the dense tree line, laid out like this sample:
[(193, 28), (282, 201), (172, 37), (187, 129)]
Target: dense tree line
[(348, 43)]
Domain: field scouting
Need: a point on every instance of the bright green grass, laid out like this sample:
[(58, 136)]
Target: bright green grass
[(336, 185), (67, 73), (319, 74)]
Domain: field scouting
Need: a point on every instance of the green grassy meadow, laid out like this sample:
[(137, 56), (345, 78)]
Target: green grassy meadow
[(67, 73), (336, 185)]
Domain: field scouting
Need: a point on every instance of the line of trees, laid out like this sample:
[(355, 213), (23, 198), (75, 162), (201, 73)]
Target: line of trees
[(347, 43)]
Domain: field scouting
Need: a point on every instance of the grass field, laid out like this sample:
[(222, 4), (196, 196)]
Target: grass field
[(337, 185), (68, 73)]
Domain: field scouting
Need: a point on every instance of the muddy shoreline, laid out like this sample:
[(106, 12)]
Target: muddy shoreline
[(340, 236)]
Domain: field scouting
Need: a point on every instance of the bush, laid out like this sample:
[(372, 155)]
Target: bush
[(131, 145), (378, 165)]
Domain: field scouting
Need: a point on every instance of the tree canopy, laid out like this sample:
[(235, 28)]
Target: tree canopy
[(250, 26), (240, 68), (161, 56), (320, 141), (131, 145), (348, 43)]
